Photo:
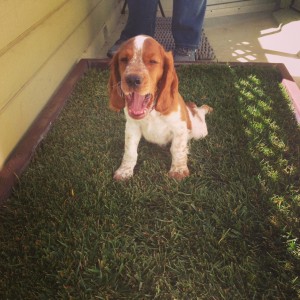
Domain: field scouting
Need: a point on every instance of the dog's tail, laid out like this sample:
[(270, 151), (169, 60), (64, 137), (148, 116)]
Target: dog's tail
[(199, 128)]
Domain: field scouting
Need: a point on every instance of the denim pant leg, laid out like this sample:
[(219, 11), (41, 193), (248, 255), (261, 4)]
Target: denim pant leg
[(141, 18), (188, 16)]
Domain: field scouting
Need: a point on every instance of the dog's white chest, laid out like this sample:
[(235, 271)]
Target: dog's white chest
[(156, 130)]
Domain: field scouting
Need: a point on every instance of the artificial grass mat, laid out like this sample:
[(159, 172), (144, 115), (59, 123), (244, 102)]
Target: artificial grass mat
[(229, 231)]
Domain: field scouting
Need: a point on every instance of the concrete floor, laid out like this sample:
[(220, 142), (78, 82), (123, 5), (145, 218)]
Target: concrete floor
[(254, 37)]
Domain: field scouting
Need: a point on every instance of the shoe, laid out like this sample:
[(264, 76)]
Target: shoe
[(184, 54), (115, 47)]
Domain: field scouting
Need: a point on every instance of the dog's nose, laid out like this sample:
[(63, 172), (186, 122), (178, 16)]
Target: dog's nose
[(133, 80)]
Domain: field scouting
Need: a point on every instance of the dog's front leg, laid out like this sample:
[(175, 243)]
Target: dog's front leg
[(132, 138), (179, 151)]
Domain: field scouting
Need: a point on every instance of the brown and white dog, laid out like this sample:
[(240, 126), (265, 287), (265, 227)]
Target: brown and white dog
[(144, 82)]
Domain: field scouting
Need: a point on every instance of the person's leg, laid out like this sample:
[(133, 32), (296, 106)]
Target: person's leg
[(187, 21), (141, 20)]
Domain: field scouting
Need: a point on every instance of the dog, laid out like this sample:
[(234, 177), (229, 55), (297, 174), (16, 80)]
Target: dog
[(144, 83)]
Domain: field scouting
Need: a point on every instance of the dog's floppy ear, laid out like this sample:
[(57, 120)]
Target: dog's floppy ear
[(168, 86), (116, 102)]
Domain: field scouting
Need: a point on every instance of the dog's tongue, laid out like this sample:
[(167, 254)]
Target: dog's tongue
[(136, 104)]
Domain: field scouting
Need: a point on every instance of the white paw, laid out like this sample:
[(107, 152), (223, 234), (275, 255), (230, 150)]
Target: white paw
[(123, 173), (179, 172)]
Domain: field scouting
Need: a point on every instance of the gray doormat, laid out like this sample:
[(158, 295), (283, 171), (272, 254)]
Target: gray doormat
[(163, 34)]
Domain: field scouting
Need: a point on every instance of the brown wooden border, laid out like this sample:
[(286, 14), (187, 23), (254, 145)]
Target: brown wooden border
[(24, 151)]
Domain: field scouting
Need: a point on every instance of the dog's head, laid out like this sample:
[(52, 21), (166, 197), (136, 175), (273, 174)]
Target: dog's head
[(142, 77)]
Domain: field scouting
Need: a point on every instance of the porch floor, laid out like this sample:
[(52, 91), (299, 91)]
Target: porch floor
[(254, 37)]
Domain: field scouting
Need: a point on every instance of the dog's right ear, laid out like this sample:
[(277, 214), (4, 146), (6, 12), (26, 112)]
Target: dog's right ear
[(116, 102)]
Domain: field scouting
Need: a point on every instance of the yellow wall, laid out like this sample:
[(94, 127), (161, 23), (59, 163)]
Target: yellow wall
[(40, 41)]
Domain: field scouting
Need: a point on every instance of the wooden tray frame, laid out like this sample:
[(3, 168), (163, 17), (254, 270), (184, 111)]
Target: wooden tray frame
[(25, 149)]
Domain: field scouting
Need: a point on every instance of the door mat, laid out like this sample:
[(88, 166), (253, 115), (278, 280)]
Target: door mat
[(163, 34)]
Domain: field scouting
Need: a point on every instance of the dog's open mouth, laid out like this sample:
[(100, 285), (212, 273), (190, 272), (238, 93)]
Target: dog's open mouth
[(137, 104)]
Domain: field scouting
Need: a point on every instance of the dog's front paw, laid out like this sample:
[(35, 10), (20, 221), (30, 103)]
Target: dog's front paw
[(179, 173), (123, 174)]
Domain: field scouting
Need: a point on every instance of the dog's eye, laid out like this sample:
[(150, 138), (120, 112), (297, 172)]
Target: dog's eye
[(153, 62), (124, 59)]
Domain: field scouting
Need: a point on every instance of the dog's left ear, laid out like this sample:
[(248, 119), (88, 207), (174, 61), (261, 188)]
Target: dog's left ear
[(116, 102), (168, 86)]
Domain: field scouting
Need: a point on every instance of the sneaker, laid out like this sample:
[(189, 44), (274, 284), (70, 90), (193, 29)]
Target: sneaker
[(115, 47), (184, 54)]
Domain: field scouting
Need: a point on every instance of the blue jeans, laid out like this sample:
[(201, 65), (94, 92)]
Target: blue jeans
[(187, 21)]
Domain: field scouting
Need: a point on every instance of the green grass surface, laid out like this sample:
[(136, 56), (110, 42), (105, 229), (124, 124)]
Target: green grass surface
[(229, 231)]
